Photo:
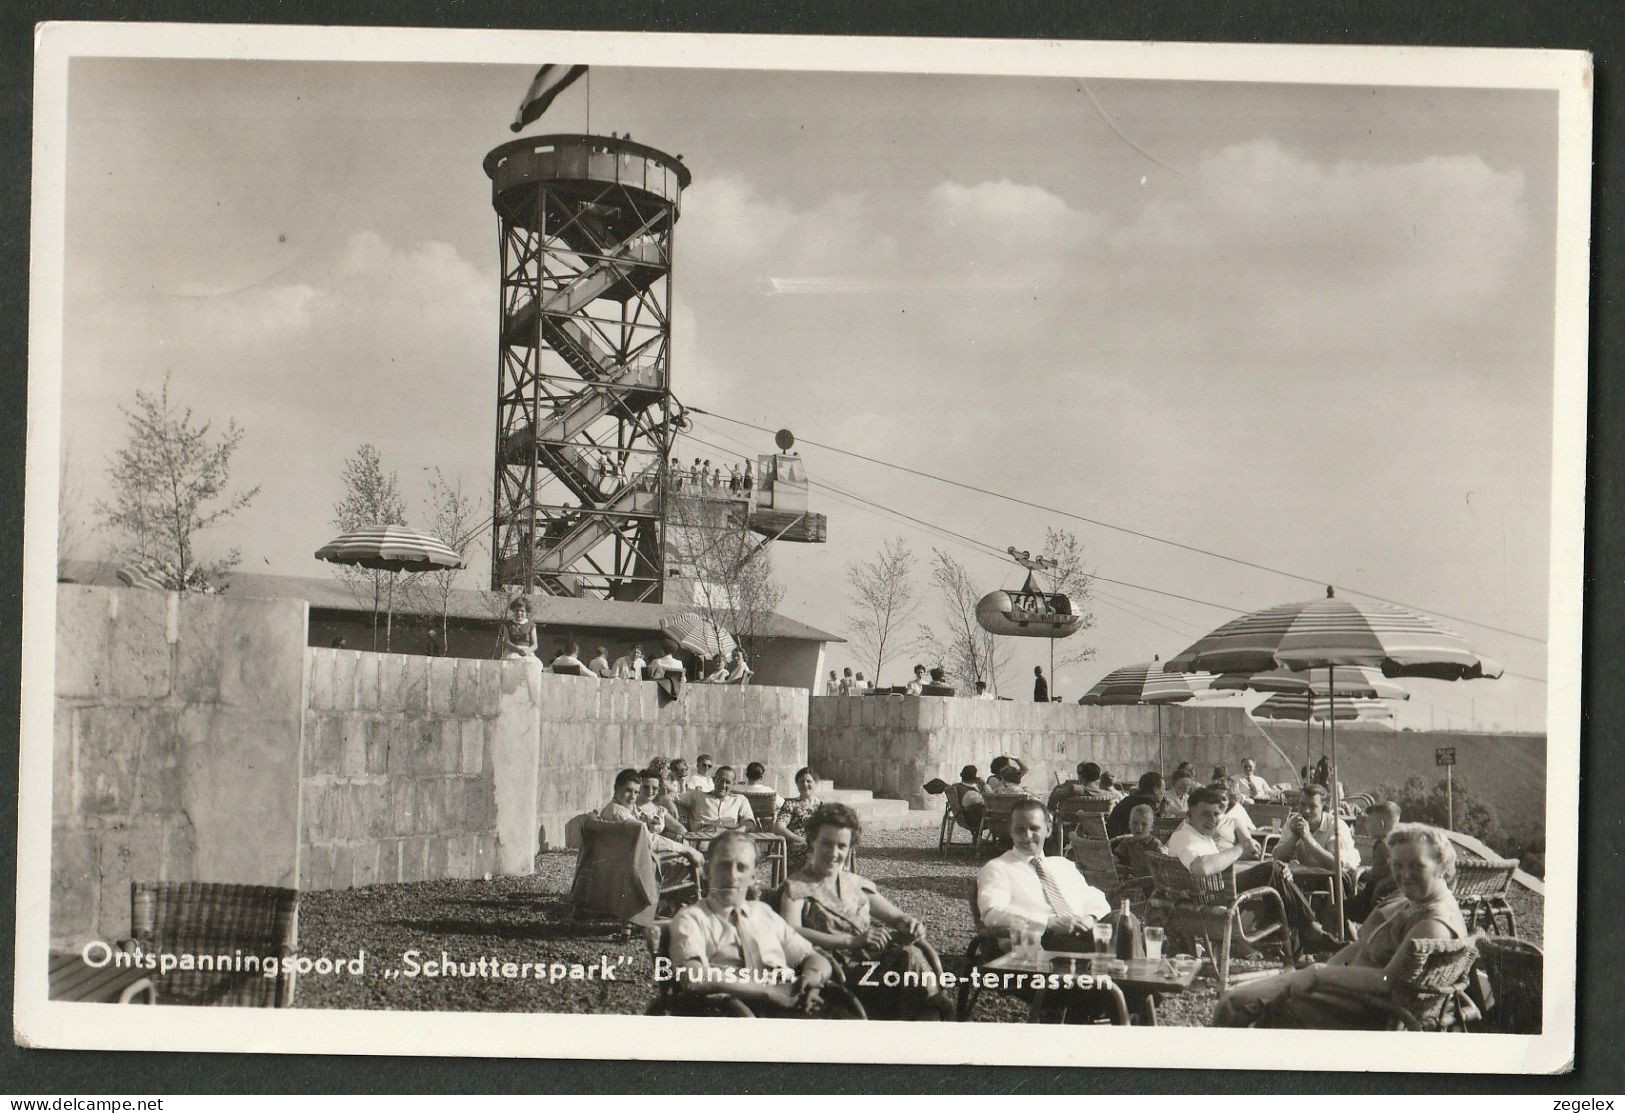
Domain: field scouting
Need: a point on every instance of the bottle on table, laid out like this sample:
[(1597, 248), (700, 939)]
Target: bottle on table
[(1128, 940)]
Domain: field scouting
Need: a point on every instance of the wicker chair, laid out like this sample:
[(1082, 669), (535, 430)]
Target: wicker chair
[(996, 816), (1184, 904), (1085, 813), (203, 918), (1165, 828), (953, 817), (1513, 999), (1431, 993), (1481, 887), (988, 943)]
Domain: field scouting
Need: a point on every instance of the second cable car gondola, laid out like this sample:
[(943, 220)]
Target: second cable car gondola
[(1028, 612)]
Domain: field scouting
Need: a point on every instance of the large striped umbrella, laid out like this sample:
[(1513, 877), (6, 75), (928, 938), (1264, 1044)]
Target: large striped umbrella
[(698, 634), (392, 549), (1326, 633), (1146, 683), (1293, 708)]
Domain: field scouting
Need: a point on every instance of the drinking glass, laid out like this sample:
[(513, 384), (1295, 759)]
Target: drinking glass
[(1103, 937), (1154, 937), (1032, 941)]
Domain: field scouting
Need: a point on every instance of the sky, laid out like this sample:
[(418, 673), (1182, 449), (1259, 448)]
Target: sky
[(1309, 327)]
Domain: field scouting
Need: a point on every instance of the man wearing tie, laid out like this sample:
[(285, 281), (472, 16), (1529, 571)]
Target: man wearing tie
[(1025, 888)]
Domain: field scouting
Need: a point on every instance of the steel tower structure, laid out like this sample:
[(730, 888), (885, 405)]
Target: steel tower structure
[(584, 405)]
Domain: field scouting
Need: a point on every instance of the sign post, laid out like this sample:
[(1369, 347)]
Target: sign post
[(1446, 756)]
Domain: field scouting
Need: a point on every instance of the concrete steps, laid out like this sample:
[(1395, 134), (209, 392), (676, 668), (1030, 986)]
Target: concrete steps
[(877, 815)]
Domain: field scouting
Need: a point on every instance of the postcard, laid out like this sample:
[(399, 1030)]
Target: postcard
[(641, 545)]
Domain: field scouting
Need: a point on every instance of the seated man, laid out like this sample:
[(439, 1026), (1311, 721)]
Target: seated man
[(1194, 844), (1087, 786), (1249, 786), (1308, 838), (728, 944), (1378, 884), (755, 786), (721, 809), (624, 807), (630, 666), (700, 779), (667, 665), (1133, 849), (1025, 888), (1149, 792), (972, 795), (599, 665), (982, 693), (569, 662)]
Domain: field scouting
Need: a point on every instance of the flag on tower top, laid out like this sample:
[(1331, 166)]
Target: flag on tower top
[(550, 81)]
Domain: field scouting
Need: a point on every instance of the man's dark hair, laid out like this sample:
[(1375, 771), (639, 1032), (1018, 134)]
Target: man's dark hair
[(720, 770), (1029, 804), (968, 773), (703, 757), (1315, 789), (1207, 794), (1088, 772), (1151, 783), (627, 777), (996, 766), (755, 771)]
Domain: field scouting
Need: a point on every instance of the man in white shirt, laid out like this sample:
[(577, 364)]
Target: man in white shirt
[(667, 664), (599, 665), (1249, 786), (721, 809), (982, 693), (630, 666), (700, 779), (917, 685), (1194, 844), (569, 663), (1309, 834), (1023, 887), (834, 686)]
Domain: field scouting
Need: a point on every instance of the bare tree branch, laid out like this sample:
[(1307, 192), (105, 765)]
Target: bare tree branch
[(883, 599)]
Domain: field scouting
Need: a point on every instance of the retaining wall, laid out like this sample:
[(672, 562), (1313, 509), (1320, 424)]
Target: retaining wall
[(176, 748), (197, 738), (893, 744)]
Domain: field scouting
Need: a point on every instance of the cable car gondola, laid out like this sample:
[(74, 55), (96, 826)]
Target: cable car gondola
[(1028, 612)]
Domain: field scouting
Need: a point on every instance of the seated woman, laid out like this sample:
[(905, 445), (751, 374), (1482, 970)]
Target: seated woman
[(729, 944), (868, 935), (791, 821), (1348, 990)]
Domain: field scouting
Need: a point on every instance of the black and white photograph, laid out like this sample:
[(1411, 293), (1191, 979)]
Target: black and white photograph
[(576, 532)]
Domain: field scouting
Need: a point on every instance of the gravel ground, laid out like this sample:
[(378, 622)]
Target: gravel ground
[(526, 919)]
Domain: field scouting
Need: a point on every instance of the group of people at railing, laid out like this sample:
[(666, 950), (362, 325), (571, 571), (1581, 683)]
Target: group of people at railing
[(924, 682), (705, 480), (519, 641)]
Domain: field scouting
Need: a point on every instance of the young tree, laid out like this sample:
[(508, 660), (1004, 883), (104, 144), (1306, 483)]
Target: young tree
[(72, 526), (170, 484), (455, 520), (968, 652), (883, 600), (1071, 578), (726, 567), (372, 497)]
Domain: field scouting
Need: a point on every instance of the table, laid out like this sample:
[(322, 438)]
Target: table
[(770, 848), (73, 979), (1143, 982)]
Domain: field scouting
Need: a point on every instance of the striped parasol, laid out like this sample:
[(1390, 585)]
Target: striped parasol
[(698, 635), (144, 573), (1293, 690), (1332, 632), (1293, 708), (1145, 682), (391, 549)]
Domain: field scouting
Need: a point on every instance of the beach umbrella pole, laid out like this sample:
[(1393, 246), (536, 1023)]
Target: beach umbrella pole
[(1337, 835)]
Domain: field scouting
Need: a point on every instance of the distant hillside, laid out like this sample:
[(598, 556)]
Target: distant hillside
[(1507, 771)]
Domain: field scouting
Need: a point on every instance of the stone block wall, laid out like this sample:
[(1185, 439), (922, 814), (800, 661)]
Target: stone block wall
[(893, 744), (175, 750), (400, 766), (592, 730)]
